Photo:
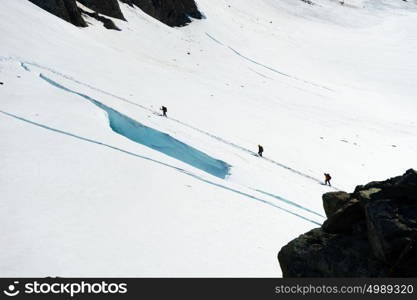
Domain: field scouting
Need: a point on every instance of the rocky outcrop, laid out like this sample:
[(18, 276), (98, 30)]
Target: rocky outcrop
[(333, 201), (170, 12), (64, 9), (109, 8), (371, 232), (107, 23)]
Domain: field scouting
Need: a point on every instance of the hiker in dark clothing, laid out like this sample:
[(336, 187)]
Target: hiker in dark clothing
[(164, 111), (260, 150), (327, 178)]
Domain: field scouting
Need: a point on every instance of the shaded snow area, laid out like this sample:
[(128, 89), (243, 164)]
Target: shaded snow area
[(95, 182)]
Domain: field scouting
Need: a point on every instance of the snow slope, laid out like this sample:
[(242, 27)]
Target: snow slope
[(324, 88)]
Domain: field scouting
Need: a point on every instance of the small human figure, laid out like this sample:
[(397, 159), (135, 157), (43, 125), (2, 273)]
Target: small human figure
[(260, 150), (164, 111), (327, 178)]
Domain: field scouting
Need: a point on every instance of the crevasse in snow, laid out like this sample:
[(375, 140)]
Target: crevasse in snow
[(152, 138)]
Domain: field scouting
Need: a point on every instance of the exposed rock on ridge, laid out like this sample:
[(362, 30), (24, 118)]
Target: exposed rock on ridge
[(107, 23), (371, 232), (170, 12), (64, 9), (109, 8)]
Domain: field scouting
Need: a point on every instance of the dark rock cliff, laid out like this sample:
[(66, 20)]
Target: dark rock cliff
[(170, 12), (371, 232), (107, 23), (109, 8), (64, 9)]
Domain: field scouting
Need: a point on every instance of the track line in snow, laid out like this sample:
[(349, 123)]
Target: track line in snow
[(289, 202), (214, 39), (297, 172), (266, 66), (251, 152), (130, 128), (152, 138), (260, 74), (236, 146), (160, 163), (25, 66), (260, 64)]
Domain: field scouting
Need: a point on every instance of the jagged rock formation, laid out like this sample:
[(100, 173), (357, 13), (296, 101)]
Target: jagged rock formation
[(109, 8), (170, 12), (107, 23), (64, 9), (371, 232)]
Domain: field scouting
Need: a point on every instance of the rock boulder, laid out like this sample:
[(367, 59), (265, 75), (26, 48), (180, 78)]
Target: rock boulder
[(371, 232)]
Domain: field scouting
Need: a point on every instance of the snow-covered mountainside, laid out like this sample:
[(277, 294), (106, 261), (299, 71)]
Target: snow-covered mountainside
[(95, 182)]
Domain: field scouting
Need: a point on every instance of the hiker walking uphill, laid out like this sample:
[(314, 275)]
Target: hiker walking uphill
[(327, 178), (260, 150), (164, 111)]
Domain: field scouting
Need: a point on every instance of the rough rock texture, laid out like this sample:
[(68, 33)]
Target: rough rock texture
[(345, 218), (333, 201), (170, 12), (107, 23), (64, 9), (109, 8), (321, 254), (371, 232)]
